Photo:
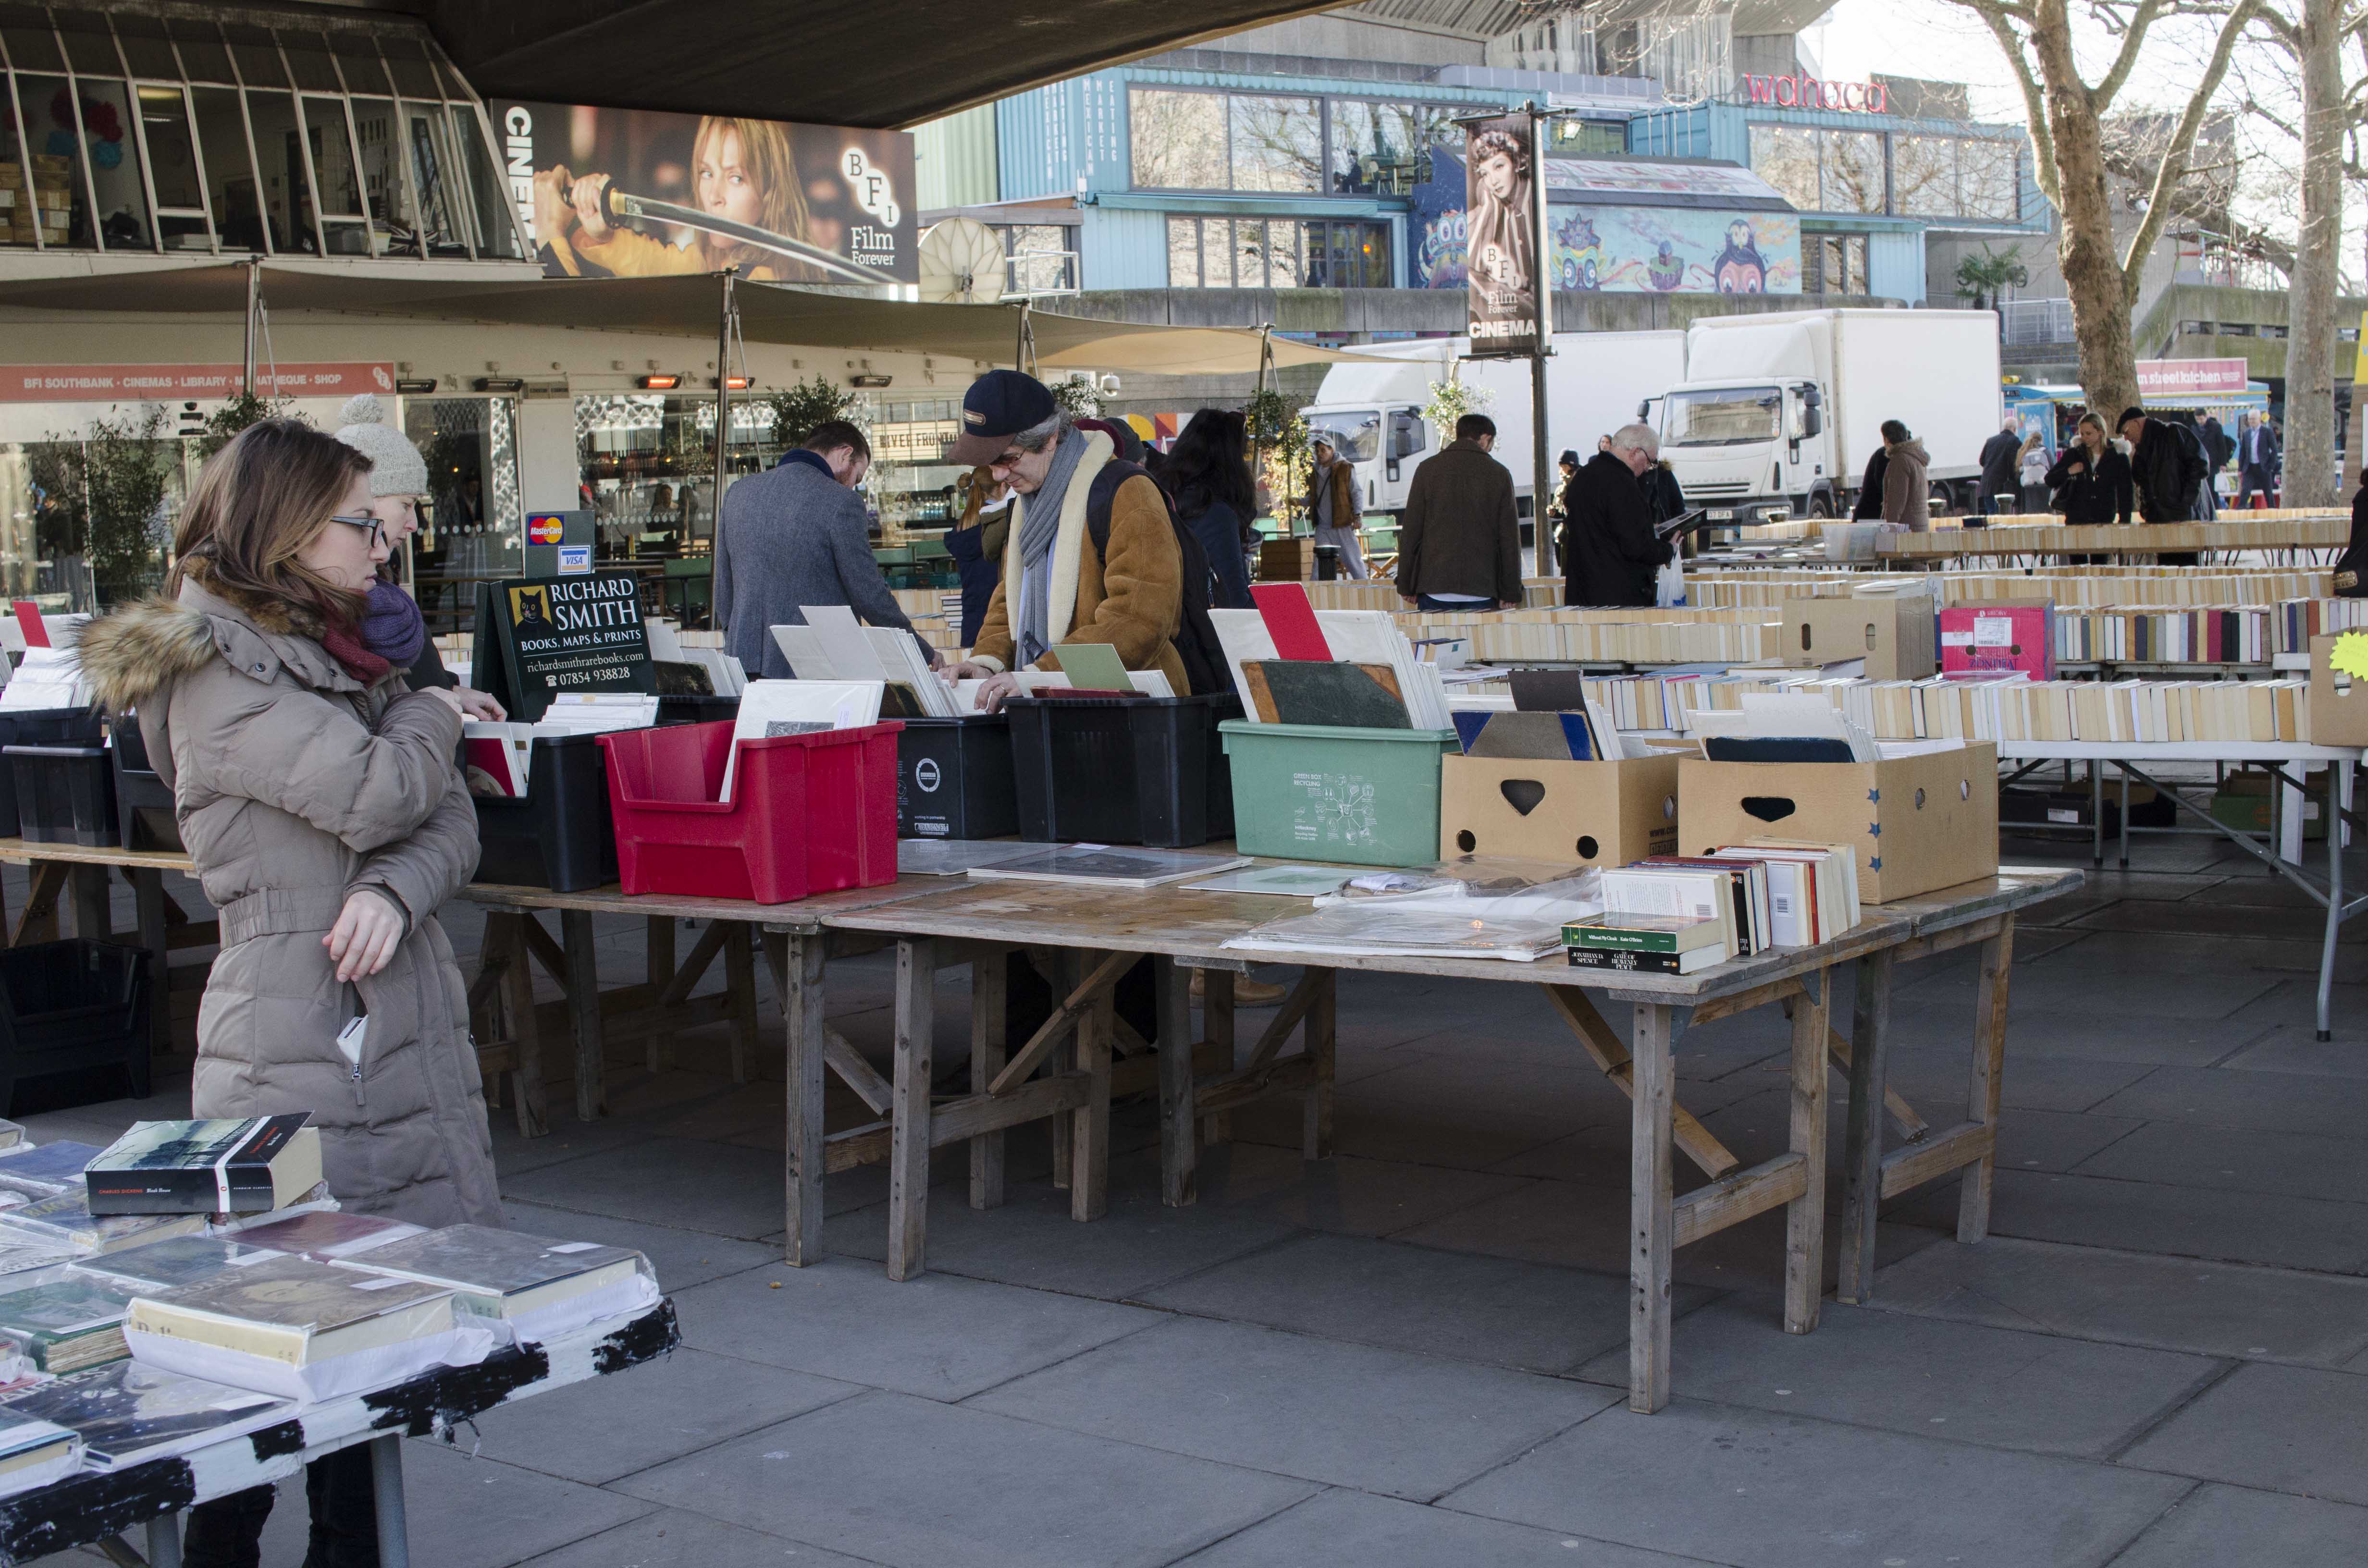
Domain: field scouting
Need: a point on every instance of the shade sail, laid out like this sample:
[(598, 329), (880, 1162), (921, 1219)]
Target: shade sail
[(676, 307)]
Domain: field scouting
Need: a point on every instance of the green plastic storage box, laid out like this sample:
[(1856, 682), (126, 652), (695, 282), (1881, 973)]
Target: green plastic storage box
[(1321, 792)]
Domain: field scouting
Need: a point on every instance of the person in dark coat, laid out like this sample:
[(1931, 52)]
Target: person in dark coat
[(975, 543), (2167, 465), (1667, 498), (1614, 554), (1568, 465), (1869, 488), (2217, 447), (1460, 545), (1209, 481), (2000, 453), (2351, 566), (2092, 479)]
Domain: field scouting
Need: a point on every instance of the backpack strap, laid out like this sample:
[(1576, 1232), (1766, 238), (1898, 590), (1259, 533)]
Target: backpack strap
[(1100, 496)]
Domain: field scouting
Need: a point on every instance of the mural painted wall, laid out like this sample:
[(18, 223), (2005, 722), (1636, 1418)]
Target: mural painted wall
[(1638, 250)]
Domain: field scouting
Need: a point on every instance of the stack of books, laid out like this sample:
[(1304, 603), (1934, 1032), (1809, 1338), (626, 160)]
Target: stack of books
[(295, 1327), (1677, 915), (527, 1286)]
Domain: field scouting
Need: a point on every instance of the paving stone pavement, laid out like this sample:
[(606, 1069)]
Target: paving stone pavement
[(1413, 1353)]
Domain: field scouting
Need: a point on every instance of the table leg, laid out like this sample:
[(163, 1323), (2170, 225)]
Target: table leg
[(1217, 1023), (164, 1541), (38, 921), (2096, 814), (148, 898), (990, 1045), (740, 984), (797, 965), (1179, 1152), (1652, 1226), (508, 930), (1863, 1137), (584, 1015), (386, 1478), (2341, 795), (2291, 825), (2125, 815), (909, 1136), (659, 964), (94, 916), (1317, 1038), (1090, 1159), (1068, 968), (1805, 1216), (1988, 1076)]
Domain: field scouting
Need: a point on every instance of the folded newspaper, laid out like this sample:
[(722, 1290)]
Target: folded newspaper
[(1464, 909)]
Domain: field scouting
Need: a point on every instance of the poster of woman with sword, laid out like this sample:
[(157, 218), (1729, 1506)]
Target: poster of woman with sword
[(613, 195)]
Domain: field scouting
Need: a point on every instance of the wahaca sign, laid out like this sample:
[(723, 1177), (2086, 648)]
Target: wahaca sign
[(1809, 92)]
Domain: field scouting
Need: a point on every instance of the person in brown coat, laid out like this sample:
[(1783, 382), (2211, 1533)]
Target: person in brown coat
[(1460, 543), (327, 823), (1057, 587), (1907, 498)]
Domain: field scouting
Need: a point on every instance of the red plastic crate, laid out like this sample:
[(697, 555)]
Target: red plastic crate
[(809, 814)]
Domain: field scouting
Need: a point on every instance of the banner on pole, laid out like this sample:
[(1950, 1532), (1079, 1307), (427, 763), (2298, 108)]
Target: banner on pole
[(1501, 206)]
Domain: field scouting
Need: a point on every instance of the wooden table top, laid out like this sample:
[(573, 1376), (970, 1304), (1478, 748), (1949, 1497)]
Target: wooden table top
[(25, 851), (1182, 923)]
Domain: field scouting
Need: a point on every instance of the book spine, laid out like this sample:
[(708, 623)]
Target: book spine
[(1626, 959), (1620, 937)]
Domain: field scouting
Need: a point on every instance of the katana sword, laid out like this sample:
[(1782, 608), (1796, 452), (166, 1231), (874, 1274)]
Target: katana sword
[(616, 204)]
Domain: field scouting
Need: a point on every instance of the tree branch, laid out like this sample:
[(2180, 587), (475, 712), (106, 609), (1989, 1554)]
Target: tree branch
[(2101, 95), (1995, 14), (2174, 163)]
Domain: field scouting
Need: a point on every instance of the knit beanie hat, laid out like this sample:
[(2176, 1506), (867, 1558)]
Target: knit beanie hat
[(2128, 414), (396, 467)]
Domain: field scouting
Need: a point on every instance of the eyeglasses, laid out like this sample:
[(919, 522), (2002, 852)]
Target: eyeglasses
[(369, 525)]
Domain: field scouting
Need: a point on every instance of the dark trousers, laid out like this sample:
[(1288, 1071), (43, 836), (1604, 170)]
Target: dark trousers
[(1429, 606), (2252, 480), (228, 1531)]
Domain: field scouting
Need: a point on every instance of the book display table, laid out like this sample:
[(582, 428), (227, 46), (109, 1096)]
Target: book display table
[(95, 1506), (1110, 930)]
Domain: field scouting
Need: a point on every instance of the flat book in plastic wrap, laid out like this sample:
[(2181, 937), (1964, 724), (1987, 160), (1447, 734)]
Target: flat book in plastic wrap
[(542, 1289), (49, 1168), (126, 1413), (170, 1265), (66, 1324), (1097, 865), (34, 1453), (64, 1218), (304, 1329), (327, 1234), (246, 1165)]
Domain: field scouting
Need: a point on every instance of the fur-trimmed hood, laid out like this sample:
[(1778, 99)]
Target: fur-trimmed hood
[(132, 653)]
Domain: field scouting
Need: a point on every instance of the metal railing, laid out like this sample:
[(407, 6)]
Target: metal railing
[(2036, 321)]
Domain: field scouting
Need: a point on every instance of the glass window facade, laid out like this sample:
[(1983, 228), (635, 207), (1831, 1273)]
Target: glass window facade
[(1928, 176), (179, 132), (1277, 252), (1834, 264), (1200, 140)]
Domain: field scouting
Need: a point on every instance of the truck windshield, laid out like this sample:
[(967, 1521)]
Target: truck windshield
[(1355, 433), (1722, 418)]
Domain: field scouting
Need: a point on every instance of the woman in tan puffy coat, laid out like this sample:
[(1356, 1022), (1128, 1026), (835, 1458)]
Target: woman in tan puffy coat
[(321, 805)]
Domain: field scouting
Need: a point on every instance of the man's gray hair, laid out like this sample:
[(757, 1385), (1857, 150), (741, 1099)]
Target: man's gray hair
[(1637, 439), (1037, 437)]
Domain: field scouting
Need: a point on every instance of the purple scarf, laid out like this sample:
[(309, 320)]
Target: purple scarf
[(392, 625)]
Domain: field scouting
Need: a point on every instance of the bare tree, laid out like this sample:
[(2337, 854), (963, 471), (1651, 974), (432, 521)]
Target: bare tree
[(2067, 147)]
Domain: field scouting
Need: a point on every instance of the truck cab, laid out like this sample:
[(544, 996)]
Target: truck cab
[(1749, 449)]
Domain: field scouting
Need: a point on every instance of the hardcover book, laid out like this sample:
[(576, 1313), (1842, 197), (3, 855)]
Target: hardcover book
[(503, 1274), (294, 1312), (325, 1233), (64, 1219), (34, 1453), (221, 1166), (169, 1264), (52, 1167), (66, 1324), (126, 1413), (1632, 961)]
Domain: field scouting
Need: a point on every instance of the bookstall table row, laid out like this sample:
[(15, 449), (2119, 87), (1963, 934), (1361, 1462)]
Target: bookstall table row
[(92, 1507), (1104, 933)]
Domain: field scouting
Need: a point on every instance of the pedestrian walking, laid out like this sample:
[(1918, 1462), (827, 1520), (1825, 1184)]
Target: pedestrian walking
[(327, 823), (1907, 494), (1460, 543), (2257, 462), (1332, 506), (798, 535), (1614, 554), (2000, 455), (2091, 480), (1566, 466), (1207, 480)]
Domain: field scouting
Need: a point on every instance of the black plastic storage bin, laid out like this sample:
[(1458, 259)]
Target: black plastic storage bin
[(71, 1007), (39, 727), (954, 780), (65, 794), (695, 708), (561, 836), (143, 802), (1147, 770)]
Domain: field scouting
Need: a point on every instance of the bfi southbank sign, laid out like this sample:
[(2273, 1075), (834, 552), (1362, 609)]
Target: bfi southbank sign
[(1809, 92)]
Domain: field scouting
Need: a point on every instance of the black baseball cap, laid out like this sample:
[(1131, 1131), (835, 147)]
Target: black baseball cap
[(998, 405)]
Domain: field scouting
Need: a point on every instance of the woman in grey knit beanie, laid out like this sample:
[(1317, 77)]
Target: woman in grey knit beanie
[(393, 627)]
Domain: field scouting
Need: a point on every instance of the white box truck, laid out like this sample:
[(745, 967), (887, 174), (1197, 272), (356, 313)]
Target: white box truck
[(1777, 413), (1595, 381)]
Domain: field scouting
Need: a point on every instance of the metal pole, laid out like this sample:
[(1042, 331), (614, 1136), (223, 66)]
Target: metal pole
[(254, 293), (386, 1478), (717, 611), (1541, 466)]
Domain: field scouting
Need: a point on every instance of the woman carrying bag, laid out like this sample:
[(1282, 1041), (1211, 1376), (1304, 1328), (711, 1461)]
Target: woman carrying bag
[(2091, 480), (327, 822)]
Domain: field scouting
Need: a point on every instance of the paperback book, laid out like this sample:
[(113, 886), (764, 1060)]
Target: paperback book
[(34, 1453), (126, 1413), (50, 1167), (243, 1165), (325, 1234), (64, 1218)]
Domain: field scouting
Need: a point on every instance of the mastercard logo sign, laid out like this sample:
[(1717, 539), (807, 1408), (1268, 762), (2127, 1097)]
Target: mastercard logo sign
[(546, 528)]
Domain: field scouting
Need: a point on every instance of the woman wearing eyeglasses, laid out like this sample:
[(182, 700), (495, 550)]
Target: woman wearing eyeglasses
[(326, 820), (392, 626)]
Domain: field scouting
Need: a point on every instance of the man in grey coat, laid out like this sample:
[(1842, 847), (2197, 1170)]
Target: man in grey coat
[(798, 536)]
